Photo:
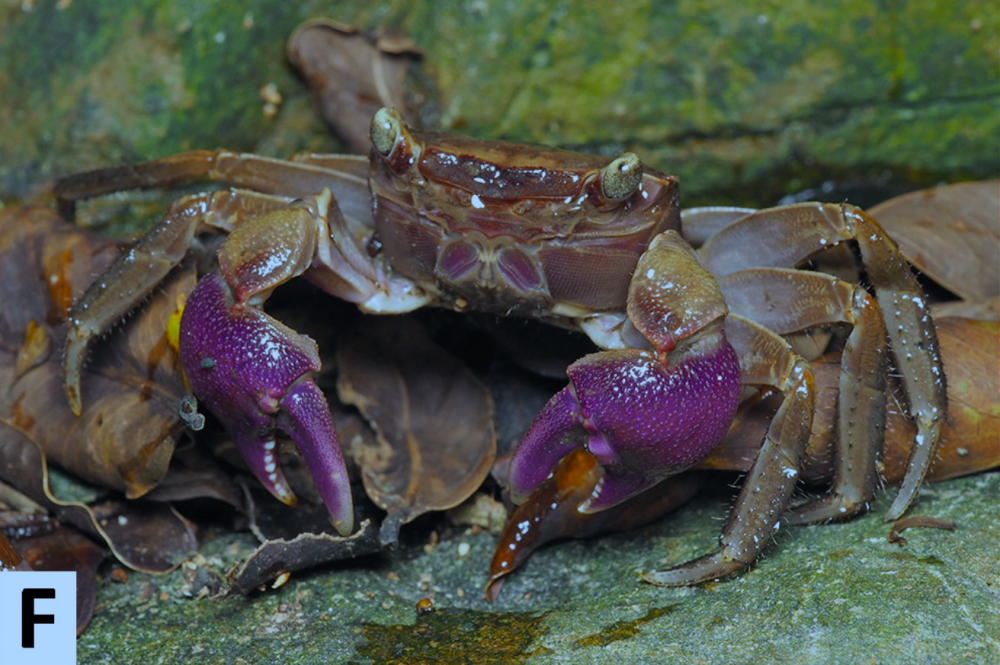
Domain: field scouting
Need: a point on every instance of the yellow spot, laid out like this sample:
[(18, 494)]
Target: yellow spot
[(174, 329)]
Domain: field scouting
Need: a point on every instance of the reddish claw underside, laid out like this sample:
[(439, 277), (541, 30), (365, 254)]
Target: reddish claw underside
[(583, 242)]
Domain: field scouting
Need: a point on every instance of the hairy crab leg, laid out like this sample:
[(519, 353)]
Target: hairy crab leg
[(137, 271), (812, 299), (303, 175), (787, 236), (766, 360)]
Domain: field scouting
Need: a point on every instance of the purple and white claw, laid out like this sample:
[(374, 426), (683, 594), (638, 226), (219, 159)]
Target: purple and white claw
[(256, 375), (641, 419)]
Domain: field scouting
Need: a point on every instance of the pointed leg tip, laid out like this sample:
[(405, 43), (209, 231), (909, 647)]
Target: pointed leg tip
[(829, 508), (708, 568), (667, 578), (899, 507), (72, 386), (493, 586)]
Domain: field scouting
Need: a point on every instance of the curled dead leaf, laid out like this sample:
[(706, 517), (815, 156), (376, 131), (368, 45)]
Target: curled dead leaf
[(144, 536), (433, 419), (951, 233), (66, 548), (10, 558), (278, 557), (352, 75)]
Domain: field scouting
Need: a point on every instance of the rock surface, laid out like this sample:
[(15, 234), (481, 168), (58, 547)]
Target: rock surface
[(825, 594), (744, 103)]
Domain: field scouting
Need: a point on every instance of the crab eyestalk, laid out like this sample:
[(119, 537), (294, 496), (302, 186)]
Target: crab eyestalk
[(621, 177), (392, 139)]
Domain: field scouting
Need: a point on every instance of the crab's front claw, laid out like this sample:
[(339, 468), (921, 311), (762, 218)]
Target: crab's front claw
[(642, 418), (256, 375)]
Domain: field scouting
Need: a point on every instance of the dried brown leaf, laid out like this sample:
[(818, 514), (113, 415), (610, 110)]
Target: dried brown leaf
[(276, 557), (980, 310), (433, 419), (193, 474), (970, 351), (10, 558), (951, 233), (352, 75), (127, 432), (144, 536)]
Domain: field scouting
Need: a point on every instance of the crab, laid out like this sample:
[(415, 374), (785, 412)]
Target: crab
[(583, 242)]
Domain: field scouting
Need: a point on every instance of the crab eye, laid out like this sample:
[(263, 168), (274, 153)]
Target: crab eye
[(385, 130), (621, 177)]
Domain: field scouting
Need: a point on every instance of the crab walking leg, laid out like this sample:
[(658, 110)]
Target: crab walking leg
[(813, 299), (700, 224), (787, 236), (134, 274), (303, 175), (765, 360)]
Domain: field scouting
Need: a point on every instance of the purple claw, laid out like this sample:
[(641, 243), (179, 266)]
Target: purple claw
[(306, 418), (642, 420), (554, 432), (255, 374)]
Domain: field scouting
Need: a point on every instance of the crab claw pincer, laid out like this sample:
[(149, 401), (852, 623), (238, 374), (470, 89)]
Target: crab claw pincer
[(256, 375), (644, 415), (641, 420)]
